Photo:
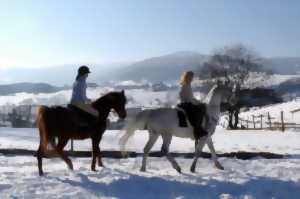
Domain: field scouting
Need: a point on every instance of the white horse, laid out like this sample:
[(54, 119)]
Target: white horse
[(164, 122)]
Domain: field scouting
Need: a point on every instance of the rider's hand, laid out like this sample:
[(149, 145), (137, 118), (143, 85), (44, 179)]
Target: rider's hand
[(88, 101)]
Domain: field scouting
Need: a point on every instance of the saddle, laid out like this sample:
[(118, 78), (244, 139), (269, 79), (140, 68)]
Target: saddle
[(194, 116), (86, 120)]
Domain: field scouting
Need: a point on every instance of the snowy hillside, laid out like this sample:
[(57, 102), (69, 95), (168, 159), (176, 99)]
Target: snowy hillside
[(136, 97), (139, 97)]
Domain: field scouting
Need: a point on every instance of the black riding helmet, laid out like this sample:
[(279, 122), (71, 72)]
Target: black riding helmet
[(82, 70)]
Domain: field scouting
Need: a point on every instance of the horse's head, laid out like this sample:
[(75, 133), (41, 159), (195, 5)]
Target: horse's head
[(118, 102), (227, 93), (112, 100)]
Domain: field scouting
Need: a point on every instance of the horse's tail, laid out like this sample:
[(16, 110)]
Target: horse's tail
[(41, 120), (139, 122)]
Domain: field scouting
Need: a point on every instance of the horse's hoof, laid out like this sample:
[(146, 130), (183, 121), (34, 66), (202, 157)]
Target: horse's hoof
[(143, 170), (179, 170), (101, 165), (219, 166), (41, 173), (192, 169)]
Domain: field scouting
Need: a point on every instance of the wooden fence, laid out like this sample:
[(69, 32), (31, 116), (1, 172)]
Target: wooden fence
[(266, 121)]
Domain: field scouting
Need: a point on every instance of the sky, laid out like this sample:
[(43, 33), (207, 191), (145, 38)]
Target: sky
[(36, 33)]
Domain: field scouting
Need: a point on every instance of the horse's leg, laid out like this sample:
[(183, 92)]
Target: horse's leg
[(152, 139), (39, 156), (96, 153), (62, 142), (213, 153), (165, 150), (198, 149), (99, 157)]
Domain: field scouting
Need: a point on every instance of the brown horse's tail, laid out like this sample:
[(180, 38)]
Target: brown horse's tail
[(41, 120)]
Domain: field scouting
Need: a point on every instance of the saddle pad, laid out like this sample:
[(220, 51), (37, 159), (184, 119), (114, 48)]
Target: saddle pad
[(82, 116), (86, 120)]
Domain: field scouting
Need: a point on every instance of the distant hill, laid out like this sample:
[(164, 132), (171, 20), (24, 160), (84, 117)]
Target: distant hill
[(170, 67), (283, 65), (10, 89), (163, 68), (290, 86)]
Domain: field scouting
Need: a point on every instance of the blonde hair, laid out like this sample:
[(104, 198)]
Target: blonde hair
[(185, 76)]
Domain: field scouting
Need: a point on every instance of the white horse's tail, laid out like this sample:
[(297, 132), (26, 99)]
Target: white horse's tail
[(139, 122)]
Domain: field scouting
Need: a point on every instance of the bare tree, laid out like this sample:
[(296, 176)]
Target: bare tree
[(232, 64)]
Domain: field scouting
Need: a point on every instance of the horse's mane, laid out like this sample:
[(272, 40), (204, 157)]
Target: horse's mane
[(102, 97), (105, 97), (208, 97)]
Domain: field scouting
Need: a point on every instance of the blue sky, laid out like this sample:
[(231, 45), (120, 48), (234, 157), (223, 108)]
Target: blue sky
[(36, 33)]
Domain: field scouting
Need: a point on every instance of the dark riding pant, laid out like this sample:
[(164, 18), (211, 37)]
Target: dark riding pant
[(196, 115)]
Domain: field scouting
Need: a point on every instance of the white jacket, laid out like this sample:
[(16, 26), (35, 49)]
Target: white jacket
[(186, 94)]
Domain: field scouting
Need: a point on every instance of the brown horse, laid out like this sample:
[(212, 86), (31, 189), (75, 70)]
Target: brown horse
[(59, 123)]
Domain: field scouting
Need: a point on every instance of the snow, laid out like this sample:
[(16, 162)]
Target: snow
[(121, 178)]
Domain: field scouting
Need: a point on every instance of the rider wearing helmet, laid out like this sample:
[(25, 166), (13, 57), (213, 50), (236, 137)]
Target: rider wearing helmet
[(79, 98)]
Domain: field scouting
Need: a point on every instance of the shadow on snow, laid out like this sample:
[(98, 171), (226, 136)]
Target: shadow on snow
[(149, 187)]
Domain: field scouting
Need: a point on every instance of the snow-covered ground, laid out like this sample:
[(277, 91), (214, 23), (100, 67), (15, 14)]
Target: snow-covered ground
[(121, 178)]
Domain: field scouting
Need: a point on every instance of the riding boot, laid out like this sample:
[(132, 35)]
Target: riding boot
[(196, 134), (199, 131)]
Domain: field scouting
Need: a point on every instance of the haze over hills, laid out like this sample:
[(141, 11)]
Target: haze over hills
[(59, 75), (163, 68), (28, 88)]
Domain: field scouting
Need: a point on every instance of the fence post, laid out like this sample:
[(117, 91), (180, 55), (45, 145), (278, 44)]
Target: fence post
[(261, 123), (282, 122), (269, 118), (253, 121), (72, 145)]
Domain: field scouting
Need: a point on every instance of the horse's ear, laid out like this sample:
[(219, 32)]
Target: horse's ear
[(218, 82), (123, 92), (227, 83)]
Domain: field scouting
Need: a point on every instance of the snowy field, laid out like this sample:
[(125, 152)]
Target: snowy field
[(121, 178)]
